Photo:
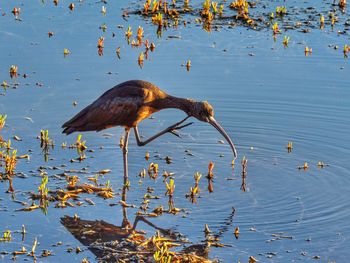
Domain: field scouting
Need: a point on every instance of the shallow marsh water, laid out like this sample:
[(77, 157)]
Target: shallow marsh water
[(263, 101)]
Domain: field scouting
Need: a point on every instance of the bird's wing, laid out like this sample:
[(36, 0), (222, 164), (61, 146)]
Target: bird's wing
[(111, 109)]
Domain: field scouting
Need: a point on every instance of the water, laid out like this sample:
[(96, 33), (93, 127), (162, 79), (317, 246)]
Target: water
[(263, 101)]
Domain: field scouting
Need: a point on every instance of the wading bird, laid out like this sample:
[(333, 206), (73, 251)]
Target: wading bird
[(130, 102)]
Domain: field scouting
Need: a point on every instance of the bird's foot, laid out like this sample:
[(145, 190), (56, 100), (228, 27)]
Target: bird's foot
[(175, 127)]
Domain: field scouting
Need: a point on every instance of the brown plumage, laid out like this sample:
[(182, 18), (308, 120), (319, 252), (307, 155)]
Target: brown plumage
[(124, 105), (130, 102)]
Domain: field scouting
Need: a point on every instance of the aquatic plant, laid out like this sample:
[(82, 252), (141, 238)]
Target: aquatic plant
[(80, 145), (186, 4), (66, 52), (71, 6), (153, 170), (6, 236), (321, 21), (170, 188), (146, 7), (43, 190), (140, 59), (346, 50), (342, 4), (117, 51), (285, 41), (221, 10), (281, 10), (139, 35), (13, 71), (155, 6), (236, 232), (128, 33), (45, 140), (100, 42), (308, 51), (275, 28), (157, 19), (242, 8), (188, 65), (210, 177), (10, 162), (2, 121), (103, 10)]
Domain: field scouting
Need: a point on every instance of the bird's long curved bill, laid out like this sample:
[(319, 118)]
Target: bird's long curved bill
[(217, 126)]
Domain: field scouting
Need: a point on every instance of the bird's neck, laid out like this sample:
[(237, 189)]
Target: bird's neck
[(185, 105)]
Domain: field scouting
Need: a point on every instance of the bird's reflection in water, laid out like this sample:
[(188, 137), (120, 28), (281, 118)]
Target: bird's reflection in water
[(111, 243)]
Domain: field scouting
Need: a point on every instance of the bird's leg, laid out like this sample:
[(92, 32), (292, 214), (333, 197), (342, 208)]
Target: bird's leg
[(170, 129), (125, 162), (138, 218)]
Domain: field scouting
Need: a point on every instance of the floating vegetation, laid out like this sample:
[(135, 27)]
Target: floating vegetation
[(281, 10), (188, 65), (71, 6), (103, 10), (321, 21), (290, 147), (308, 51), (100, 42), (13, 71), (6, 236), (128, 33), (140, 59), (236, 232), (285, 41), (321, 164), (342, 4), (346, 50), (66, 52), (304, 167)]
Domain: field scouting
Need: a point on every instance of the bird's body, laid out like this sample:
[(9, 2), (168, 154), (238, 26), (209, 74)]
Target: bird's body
[(126, 104), (130, 102)]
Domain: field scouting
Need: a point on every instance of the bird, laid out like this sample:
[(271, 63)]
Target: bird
[(129, 103)]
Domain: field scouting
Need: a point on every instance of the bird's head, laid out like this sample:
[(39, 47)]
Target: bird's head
[(203, 111)]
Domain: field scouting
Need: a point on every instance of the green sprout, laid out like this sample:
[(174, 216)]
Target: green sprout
[(6, 236), (281, 10), (285, 41), (2, 120), (43, 190)]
